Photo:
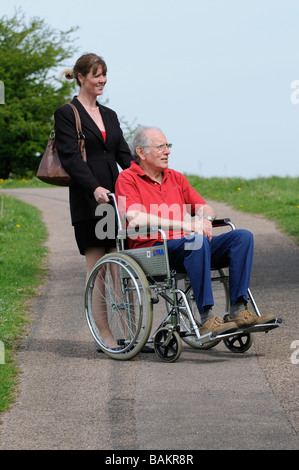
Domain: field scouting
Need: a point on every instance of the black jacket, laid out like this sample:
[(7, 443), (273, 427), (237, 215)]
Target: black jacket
[(102, 157)]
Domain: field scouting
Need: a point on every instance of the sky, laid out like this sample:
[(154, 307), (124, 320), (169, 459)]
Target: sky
[(220, 78)]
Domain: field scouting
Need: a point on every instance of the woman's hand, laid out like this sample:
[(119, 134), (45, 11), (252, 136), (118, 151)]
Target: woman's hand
[(101, 195)]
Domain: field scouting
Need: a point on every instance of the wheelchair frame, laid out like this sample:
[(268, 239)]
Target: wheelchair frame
[(119, 297)]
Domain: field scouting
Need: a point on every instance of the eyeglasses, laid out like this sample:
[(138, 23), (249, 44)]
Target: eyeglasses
[(160, 148)]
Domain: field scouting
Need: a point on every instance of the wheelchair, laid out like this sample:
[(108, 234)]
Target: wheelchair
[(124, 286)]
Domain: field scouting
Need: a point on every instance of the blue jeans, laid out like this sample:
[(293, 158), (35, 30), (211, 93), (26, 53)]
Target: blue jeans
[(196, 255)]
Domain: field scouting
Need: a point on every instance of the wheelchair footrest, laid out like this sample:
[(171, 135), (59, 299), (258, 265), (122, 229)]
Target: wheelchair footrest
[(263, 326), (253, 329), (211, 336)]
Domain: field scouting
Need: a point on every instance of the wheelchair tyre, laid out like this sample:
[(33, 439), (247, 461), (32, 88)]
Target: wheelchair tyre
[(118, 300), (239, 343), (170, 352)]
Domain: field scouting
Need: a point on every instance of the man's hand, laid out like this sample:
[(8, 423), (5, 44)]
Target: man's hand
[(202, 226), (207, 228)]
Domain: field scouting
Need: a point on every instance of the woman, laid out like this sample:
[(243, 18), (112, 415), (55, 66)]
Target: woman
[(105, 148)]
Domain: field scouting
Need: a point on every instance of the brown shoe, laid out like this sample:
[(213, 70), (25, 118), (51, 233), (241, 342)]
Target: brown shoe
[(268, 318), (243, 319), (218, 325)]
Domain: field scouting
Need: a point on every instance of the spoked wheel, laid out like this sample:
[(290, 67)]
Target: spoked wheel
[(239, 343), (167, 351), (118, 306)]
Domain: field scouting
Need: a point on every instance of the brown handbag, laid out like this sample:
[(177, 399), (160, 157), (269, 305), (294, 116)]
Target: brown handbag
[(50, 169)]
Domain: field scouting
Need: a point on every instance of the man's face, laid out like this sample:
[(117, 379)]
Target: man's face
[(156, 155)]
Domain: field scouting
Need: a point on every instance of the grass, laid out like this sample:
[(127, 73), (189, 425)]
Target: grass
[(22, 252), (14, 183), (275, 198)]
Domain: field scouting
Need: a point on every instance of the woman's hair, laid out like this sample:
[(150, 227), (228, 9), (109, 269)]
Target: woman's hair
[(85, 64)]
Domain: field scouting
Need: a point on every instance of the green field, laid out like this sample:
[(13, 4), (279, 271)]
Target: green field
[(22, 255), (275, 198)]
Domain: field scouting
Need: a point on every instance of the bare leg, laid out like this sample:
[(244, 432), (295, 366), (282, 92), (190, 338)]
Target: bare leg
[(92, 255)]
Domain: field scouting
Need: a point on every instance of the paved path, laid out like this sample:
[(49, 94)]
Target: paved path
[(72, 397)]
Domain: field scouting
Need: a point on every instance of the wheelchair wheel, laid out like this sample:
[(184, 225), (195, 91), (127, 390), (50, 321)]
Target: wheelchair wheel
[(239, 343), (220, 286), (118, 306), (171, 351)]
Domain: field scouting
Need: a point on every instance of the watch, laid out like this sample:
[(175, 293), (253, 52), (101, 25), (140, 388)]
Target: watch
[(208, 217)]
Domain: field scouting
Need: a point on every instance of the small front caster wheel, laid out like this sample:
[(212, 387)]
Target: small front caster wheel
[(239, 343), (169, 350)]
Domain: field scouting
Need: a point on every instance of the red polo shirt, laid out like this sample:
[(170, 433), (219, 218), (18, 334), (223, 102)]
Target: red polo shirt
[(171, 199)]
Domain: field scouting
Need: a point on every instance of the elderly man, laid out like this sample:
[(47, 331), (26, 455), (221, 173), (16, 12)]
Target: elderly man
[(153, 194)]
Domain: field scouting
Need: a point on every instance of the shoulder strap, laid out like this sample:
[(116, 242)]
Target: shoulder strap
[(78, 121), (81, 136)]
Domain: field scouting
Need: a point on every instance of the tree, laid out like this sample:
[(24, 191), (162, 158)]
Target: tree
[(29, 59)]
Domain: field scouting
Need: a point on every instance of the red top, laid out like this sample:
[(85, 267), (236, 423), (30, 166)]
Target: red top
[(104, 135), (171, 199)]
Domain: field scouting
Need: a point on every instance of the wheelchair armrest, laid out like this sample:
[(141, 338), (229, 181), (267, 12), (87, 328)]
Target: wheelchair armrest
[(122, 234), (223, 222)]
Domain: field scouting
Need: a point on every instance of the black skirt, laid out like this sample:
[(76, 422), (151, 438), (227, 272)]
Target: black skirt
[(91, 234)]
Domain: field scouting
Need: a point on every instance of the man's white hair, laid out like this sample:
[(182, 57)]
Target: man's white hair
[(140, 139)]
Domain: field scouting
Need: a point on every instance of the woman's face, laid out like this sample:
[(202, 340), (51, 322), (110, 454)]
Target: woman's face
[(93, 84)]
